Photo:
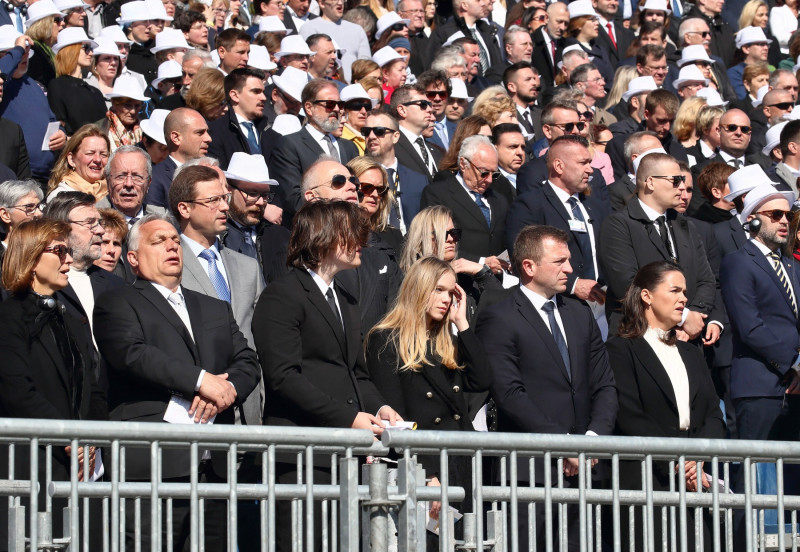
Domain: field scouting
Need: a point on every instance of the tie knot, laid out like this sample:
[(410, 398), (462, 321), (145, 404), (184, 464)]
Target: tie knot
[(573, 201), (175, 298), (247, 124), (419, 141), (661, 220), (775, 256), (329, 293), (208, 255), (549, 307)]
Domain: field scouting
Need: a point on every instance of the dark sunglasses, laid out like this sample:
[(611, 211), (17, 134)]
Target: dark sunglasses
[(367, 189), (539, 18), (380, 132), (253, 197), (398, 27), (588, 115), (58, 20), (733, 128), (87, 48), (775, 215), (704, 34), (339, 180), (676, 180), (483, 173), (61, 250), (329, 105), (432, 94), (784, 106), (454, 233), (569, 127), (424, 105), (358, 105)]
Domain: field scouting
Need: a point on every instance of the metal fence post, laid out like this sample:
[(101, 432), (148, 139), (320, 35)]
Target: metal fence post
[(348, 505), (378, 508)]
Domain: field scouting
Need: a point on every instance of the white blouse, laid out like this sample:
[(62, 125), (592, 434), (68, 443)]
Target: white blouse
[(673, 365), (782, 23)]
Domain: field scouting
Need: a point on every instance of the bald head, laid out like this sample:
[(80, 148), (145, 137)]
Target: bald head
[(187, 135), (557, 19), (323, 180), (776, 104), (733, 139)]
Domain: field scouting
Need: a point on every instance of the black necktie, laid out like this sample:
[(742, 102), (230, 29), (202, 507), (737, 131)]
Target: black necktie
[(584, 242), (424, 151), (394, 185), (558, 337), (662, 229), (332, 304), (736, 163)]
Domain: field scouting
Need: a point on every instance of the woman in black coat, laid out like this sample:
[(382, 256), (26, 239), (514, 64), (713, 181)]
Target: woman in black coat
[(663, 383), (420, 368)]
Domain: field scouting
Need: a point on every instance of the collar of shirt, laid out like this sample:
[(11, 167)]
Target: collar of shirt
[(178, 163), (197, 248), (510, 176), (319, 136), (241, 227), (706, 151), (563, 196), (166, 292), (795, 172), (241, 119), (536, 300), (393, 165), (522, 110), (408, 134), (727, 158), (603, 22), (649, 212), (323, 287), (761, 247), (466, 188), (139, 215)]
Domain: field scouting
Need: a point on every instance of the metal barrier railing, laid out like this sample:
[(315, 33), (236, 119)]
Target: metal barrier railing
[(387, 510)]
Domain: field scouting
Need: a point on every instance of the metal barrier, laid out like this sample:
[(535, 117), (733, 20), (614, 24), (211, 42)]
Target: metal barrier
[(387, 510)]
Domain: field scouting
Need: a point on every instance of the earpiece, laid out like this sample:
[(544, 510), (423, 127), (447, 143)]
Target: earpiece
[(753, 226)]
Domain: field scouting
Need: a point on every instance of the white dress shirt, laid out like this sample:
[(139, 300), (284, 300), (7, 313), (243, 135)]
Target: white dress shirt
[(564, 197), (673, 365), (323, 288), (413, 139), (319, 137)]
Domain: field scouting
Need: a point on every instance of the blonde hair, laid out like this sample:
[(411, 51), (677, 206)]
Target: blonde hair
[(379, 220), (207, 91), (42, 30), (62, 168), (410, 335), (622, 79), (493, 102), (686, 118), (431, 220), (749, 12)]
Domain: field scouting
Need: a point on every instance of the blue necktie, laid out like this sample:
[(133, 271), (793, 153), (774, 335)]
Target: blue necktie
[(558, 337), (487, 214), (441, 131), (18, 20), (584, 242), (217, 280), (252, 141)]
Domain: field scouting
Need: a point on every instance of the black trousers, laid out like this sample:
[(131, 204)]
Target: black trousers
[(286, 473)]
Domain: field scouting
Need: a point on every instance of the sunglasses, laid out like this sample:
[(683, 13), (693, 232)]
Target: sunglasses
[(87, 48), (338, 182), (775, 215), (704, 34), (676, 180), (329, 105), (588, 115), (58, 20), (253, 197), (432, 94), (540, 18), (367, 189), (483, 173), (454, 233), (424, 105), (783, 106), (569, 127), (61, 250), (733, 128), (358, 105), (398, 27), (380, 132)]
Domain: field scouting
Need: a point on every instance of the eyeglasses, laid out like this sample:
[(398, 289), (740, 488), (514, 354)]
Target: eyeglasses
[(90, 223), (454, 233), (213, 202), (58, 20), (539, 18), (253, 197), (137, 179), (432, 94), (329, 105), (676, 180), (29, 208), (704, 34), (568, 127), (413, 11), (338, 182), (61, 250), (783, 106), (358, 105), (733, 128), (764, 44), (775, 215), (657, 68), (483, 173), (398, 27), (367, 189), (424, 105), (380, 132), (588, 115)]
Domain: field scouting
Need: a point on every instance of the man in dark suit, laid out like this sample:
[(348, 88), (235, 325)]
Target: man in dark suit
[(166, 344), (624, 188), (438, 89), (243, 128), (649, 230), (549, 363), (187, 138), (300, 150), (13, 152), (614, 38), (730, 234), (414, 114), (788, 170), (478, 210), (548, 42), (760, 288), (406, 183), (510, 144), (522, 81), (414, 11)]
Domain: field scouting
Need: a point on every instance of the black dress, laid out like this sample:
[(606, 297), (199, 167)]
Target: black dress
[(75, 102), (41, 67)]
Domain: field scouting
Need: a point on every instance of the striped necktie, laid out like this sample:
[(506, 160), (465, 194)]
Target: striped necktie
[(775, 257)]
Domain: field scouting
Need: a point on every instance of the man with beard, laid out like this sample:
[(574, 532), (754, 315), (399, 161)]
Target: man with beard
[(298, 151), (523, 83), (322, 62)]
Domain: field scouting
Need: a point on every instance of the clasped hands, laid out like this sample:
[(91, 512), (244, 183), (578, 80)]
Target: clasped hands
[(216, 394)]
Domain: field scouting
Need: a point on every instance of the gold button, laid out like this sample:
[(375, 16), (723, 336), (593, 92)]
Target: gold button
[(456, 388), (429, 395), (437, 421), (456, 417)]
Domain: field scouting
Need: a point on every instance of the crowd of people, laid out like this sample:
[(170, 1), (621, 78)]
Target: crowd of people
[(474, 215)]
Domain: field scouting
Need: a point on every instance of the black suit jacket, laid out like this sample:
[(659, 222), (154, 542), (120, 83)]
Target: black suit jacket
[(478, 239), (615, 150), (75, 102), (542, 206), (541, 57), (624, 39), (314, 373), (730, 235), (629, 241), (406, 154), (158, 193), (152, 356), (227, 137), (13, 152), (488, 32), (295, 153), (621, 191)]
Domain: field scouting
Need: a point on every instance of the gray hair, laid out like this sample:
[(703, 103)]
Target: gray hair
[(11, 191), (445, 61), (508, 37), (309, 177), (633, 146), (133, 233), (471, 145), (581, 73), (205, 161), (129, 149), (201, 54), (686, 26), (776, 75), (573, 56)]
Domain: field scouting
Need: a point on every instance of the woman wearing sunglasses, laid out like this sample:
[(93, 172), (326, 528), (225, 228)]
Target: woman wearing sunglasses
[(376, 199), (43, 27), (48, 369)]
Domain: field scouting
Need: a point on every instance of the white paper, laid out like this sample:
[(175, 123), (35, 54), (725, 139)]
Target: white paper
[(399, 425), (432, 525), (178, 412), (52, 128)]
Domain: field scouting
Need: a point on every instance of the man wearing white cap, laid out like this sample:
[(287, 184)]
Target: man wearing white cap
[(285, 93), (754, 46), (722, 44), (690, 80), (729, 233), (761, 291), (788, 170), (634, 100), (294, 52)]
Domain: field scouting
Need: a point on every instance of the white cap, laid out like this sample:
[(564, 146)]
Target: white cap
[(644, 154), (272, 24), (387, 21), (460, 90), (352, 92), (291, 45), (711, 96), (760, 194), (106, 47), (573, 48), (170, 69), (170, 38), (72, 35), (638, 86), (134, 11), (656, 5), (750, 35), (760, 95), (453, 37), (690, 73), (127, 86), (157, 10), (8, 34), (773, 138), (154, 126), (115, 33), (286, 124), (40, 10), (291, 82), (580, 8), (249, 168), (259, 58), (696, 52), (66, 5), (386, 55), (744, 180)]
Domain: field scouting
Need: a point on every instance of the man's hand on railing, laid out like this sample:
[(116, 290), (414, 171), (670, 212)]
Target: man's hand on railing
[(571, 466), (92, 458), (692, 471)]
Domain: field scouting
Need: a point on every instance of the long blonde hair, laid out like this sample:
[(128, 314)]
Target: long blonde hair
[(418, 239), (408, 323), (379, 220)]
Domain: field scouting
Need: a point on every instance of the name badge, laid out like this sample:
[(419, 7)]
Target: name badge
[(577, 226)]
